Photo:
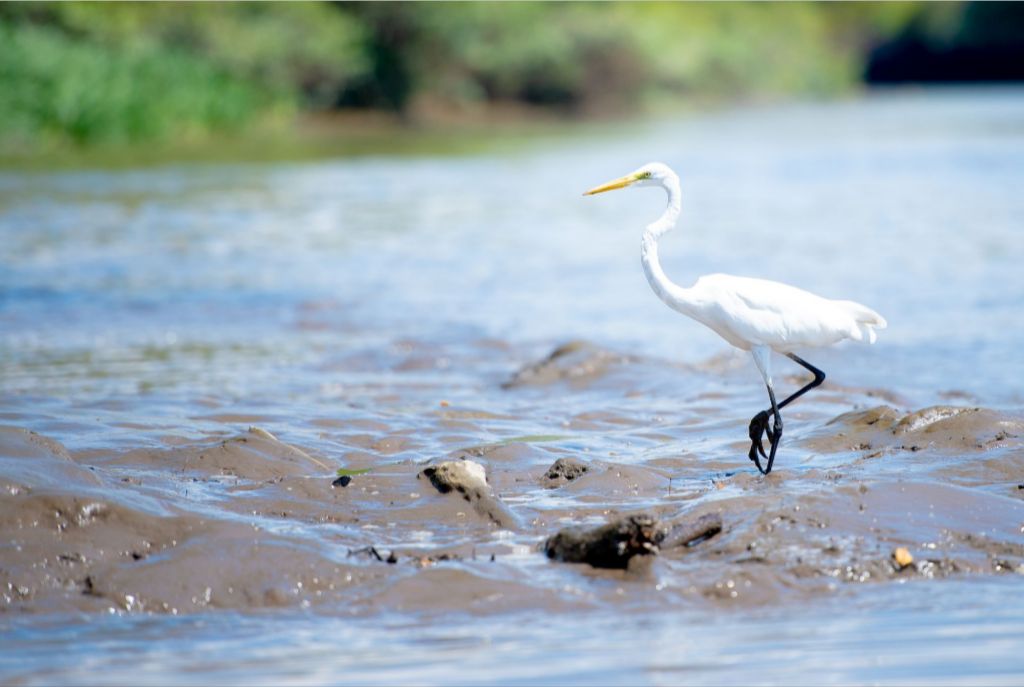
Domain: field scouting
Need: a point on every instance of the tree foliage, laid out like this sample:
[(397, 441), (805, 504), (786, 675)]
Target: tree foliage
[(96, 72)]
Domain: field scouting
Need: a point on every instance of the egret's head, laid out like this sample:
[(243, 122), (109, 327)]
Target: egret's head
[(651, 174)]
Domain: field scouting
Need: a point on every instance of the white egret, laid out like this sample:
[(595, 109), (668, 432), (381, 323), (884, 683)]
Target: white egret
[(753, 315)]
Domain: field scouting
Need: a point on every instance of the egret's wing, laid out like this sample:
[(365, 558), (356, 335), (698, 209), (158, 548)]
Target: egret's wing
[(782, 316)]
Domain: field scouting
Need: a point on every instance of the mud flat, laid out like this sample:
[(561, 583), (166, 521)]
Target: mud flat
[(249, 521)]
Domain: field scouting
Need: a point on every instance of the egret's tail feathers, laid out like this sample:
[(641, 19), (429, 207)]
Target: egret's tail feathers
[(866, 321), (866, 332)]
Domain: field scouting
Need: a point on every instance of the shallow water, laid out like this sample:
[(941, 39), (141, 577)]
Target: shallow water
[(872, 645), (371, 313)]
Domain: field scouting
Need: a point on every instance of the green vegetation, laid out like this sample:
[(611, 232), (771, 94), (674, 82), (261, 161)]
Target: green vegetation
[(346, 472), (124, 72), (85, 74)]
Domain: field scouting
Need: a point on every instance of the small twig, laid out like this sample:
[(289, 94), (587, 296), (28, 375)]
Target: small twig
[(369, 550), (692, 532)]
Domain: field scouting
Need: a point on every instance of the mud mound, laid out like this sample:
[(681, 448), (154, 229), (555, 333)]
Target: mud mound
[(227, 567), (57, 541), (811, 543), (577, 362), (31, 461), (945, 428), (255, 455)]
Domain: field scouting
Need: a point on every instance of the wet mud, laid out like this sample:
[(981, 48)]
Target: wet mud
[(506, 505)]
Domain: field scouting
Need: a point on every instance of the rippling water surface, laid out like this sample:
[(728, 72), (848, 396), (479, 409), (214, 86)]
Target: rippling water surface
[(368, 311)]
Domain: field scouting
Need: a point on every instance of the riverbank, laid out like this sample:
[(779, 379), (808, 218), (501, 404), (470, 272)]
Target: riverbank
[(434, 129)]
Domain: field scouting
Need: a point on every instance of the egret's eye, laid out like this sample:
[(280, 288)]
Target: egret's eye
[(645, 175)]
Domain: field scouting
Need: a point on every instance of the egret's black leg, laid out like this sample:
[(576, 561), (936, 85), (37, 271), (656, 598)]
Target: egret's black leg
[(775, 433), (759, 423), (819, 377)]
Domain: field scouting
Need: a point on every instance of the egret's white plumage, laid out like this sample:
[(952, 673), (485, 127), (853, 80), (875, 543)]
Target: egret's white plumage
[(754, 315)]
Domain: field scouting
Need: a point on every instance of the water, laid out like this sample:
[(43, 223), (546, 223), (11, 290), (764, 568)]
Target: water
[(879, 646), (368, 310)]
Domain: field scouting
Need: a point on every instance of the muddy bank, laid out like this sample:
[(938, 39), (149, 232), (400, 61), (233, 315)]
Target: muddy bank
[(251, 521)]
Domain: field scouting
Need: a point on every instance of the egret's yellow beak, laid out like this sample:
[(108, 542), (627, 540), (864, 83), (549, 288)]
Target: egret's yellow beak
[(622, 182)]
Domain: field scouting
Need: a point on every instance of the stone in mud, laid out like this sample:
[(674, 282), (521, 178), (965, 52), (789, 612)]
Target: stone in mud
[(469, 479), (463, 476), (614, 544), (576, 361), (608, 546), (563, 471)]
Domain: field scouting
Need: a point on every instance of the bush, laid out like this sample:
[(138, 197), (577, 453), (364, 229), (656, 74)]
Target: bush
[(53, 87), (115, 72)]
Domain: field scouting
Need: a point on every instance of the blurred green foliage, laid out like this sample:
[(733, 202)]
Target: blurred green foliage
[(121, 72)]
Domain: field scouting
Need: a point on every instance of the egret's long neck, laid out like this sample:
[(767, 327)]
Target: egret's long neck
[(672, 294)]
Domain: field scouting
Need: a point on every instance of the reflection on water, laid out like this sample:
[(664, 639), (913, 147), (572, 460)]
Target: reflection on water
[(339, 303)]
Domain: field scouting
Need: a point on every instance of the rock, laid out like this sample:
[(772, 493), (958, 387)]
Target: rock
[(463, 476), (563, 471), (608, 546), (614, 544), (469, 479)]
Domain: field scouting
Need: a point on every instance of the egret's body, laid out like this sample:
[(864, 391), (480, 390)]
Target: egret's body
[(753, 315)]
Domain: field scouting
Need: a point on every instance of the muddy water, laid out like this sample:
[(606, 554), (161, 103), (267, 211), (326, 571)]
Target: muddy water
[(189, 354)]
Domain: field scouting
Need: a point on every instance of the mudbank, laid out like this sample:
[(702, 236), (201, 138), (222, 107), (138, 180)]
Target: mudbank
[(251, 521)]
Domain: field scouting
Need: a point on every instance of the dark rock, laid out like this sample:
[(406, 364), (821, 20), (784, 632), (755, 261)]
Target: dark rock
[(342, 481), (608, 546), (563, 471)]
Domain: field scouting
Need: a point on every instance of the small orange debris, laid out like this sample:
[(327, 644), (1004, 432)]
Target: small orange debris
[(445, 404), (902, 557)]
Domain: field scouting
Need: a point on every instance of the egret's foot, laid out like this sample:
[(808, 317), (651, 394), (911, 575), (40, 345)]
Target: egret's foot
[(759, 427), (753, 456)]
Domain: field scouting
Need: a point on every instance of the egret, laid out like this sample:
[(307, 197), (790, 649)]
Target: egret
[(753, 315)]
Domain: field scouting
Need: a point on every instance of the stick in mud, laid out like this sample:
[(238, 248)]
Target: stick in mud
[(692, 532)]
